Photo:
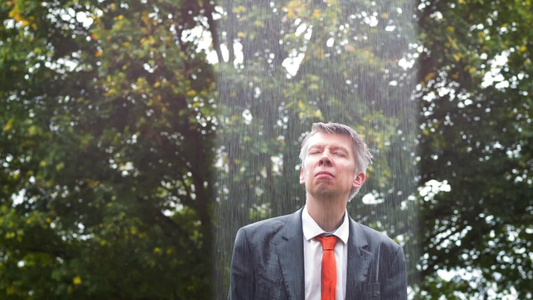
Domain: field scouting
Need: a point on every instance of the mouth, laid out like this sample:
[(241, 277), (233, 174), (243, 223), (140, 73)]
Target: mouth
[(324, 174)]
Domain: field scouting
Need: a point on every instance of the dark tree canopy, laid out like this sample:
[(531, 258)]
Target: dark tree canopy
[(106, 151), (476, 136)]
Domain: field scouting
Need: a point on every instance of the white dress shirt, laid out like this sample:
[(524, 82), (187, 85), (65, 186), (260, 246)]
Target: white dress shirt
[(313, 256)]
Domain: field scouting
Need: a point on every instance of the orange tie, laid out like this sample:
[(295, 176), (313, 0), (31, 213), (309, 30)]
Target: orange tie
[(329, 267)]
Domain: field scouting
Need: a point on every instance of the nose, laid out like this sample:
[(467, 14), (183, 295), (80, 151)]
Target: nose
[(325, 160)]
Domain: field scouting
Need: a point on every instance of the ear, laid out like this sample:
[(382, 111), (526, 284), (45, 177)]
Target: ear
[(302, 177), (359, 180)]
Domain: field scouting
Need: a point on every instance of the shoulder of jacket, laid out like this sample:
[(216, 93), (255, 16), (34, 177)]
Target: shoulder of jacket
[(267, 223), (376, 237)]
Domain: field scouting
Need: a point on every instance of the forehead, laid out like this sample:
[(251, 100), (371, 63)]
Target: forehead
[(331, 140)]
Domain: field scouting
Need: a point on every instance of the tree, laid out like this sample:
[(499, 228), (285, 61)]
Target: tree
[(475, 97), (106, 151), (107, 114)]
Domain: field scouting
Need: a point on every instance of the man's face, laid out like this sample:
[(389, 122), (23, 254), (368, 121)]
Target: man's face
[(329, 167)]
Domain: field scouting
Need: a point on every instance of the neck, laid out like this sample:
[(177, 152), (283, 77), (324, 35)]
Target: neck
[(327, 213)]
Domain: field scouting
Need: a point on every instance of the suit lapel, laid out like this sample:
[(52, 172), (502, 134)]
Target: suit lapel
[(359, 260), (290, 253)]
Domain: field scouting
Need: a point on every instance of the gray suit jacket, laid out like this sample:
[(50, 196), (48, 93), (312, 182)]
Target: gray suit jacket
[(268, 262)]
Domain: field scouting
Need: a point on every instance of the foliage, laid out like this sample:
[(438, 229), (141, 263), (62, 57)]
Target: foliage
[(105, 148), (476, 136)]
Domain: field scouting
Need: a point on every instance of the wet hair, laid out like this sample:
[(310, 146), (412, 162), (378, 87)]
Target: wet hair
[(362, 154)]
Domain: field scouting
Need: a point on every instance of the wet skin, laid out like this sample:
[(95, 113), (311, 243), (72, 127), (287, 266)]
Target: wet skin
[(329, 168), (329, 175)]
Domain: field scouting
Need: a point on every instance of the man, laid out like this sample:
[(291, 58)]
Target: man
[(285, 258)]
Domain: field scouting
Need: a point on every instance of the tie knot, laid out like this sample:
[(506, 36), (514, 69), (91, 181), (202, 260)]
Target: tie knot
[(328, 242)]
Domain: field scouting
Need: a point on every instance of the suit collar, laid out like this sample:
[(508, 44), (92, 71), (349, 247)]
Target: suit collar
[(290, 253), (359, 260)]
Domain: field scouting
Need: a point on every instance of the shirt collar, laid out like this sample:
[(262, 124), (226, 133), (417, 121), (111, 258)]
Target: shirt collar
[(311, 229)]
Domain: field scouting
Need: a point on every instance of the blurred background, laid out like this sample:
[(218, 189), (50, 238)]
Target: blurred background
[(136, 137)]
